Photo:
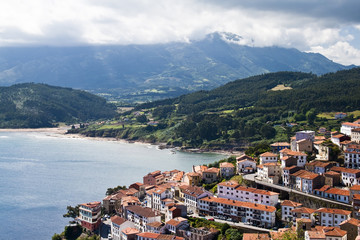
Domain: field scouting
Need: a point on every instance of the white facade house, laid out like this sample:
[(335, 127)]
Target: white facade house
[(304, 213), (346, 127), (326, 233), (227, 170), (352, 156), (245, 164), (332, 217), (141, 216), (268, 157), (117, 225), (300, 156), (286, 207), (252, 213), (191, 196), (234, 191), (355, 135), (158, 195), (269, 172), (349, 176)]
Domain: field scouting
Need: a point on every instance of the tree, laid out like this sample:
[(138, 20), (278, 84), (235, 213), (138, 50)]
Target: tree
[(233, 234), (267, 131), (224, 227), (311, 116), (72, 212), (141, 118), (56, 237)]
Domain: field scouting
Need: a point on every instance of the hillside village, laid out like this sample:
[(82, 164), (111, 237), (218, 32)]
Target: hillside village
[(265, 197)]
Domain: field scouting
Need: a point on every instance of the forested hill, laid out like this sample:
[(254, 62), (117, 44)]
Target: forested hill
[(249, 109), (32, 105)]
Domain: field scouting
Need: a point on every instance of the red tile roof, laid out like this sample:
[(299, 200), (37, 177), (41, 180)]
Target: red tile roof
[(333, 211), (347, 170), (355, 188), (291, 203), (268, 154), (303, 210), (226, 165), (351, 221), (280, 144), (338, 191), (256, 236), (117, 220), (142, 211), (130, 231)]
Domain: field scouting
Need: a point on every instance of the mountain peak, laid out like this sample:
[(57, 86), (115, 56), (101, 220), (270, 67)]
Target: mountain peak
[(226, 37)]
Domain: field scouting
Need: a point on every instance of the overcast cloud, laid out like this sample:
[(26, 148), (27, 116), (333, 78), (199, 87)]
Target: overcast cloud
[(330, 27)]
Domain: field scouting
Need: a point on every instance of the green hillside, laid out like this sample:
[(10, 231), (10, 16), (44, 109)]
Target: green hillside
[(246, 110), (32, 105)]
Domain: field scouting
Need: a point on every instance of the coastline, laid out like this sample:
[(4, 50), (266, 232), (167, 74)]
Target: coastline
[(61, 132)]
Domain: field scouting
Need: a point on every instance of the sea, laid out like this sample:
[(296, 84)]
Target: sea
[(41, 173)]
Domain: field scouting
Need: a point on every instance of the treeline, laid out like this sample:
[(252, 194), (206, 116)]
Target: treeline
[(38, 105)]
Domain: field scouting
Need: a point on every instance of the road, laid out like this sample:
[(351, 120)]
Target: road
[(105, 229), (251, 177)]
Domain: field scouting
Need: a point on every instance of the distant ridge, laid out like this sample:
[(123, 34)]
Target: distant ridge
[(154, 71)]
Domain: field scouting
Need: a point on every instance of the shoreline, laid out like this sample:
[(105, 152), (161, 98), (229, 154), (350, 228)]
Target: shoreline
[(61, 131)]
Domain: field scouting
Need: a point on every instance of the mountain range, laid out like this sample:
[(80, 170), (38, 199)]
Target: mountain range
[(149, 72)]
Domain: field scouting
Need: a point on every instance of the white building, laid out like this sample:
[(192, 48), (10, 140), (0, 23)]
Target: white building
[(352, 156), (227, 170), (306, 181), (286, 207), (269, 172), (234, 191), (158, 195), (268, 157), (141, 216), (117, 225), (191, 196), (252, 213), (349, 176), (346, 127), (245, 164), (304, 213), (355, 135), (301, 157), (332, 217), (326, 233)]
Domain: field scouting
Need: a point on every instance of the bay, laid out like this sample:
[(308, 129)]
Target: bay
[(41, 173)]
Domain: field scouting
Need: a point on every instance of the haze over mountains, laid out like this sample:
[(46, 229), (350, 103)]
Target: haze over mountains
[(147, 72)]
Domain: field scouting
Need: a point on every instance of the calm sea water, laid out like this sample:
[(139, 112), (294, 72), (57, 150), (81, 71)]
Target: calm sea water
[(41, 174)]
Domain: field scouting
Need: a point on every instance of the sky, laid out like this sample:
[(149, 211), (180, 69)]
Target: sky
[(329, 27)]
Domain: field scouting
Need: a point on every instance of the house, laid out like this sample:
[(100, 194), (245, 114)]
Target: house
[(174, 210), (355, 135), (337, 138), (129, 233), (321, 191), (117, 225), (332, 217), (141, 216), (269, 172), (157, 236), (340, 115), (307, 181), (355, 189), (234, 191), (155, 227), (286, 175), (159, 194), (191, 196), (90, 215), (352, 156), (323, 151), (268, 157), (346, 127), (336, 194), (111, 202), (303, 213), (325, 233), (276, 147), (356, 205), (176, 224), (227, 170), (192, 178), (287, 161), (286, 207), (306, 134), (351, 227), (349, 177), (301, 157), (332, 178), (319, 167), (210, 175), (198, 233), (245, 164), (303, 145), (153, 178), (256, 236), (252, 213)]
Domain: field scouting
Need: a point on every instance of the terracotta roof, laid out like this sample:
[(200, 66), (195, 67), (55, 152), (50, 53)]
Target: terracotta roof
[(337, 136), (142, 211), (244, 157), (212, 170), (271, 164), (240, 204), (232, 184), (316, 235), (290, 203), (255, 190), (226, 165), (323, 188), (193, 191), (356, 130), (338, 191), (117, 220), (287, 151), (268, 154), (280, 144), (155, 224), (305, 174), (173, 222), (256, 236), (130, 231), (303, 210), (318, 163), (347, 170), (355, 188), (91, 204), (148, 235), (334, 232), (351, 124), (333, 211), (351, 221), (193, 174), (331, 173), (320, 138)]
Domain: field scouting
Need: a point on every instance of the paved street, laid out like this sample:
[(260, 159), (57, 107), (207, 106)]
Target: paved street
[(105, 229)]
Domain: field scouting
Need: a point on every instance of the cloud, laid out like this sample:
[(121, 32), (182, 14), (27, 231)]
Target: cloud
[(308, 25)]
